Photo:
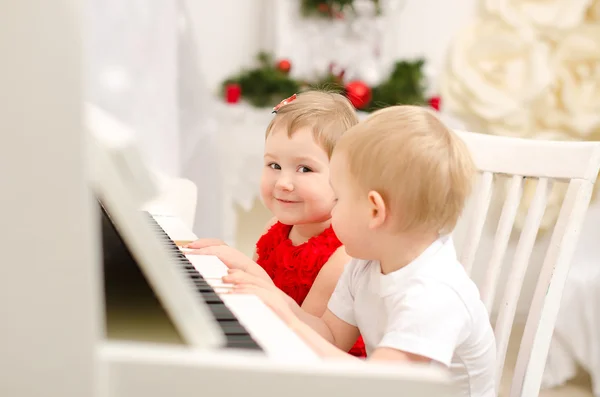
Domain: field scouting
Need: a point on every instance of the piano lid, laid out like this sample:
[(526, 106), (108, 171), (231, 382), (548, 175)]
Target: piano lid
[(125, 157), (116, 172)]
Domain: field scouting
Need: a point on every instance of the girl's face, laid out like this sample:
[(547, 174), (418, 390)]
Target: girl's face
[(295, 179)]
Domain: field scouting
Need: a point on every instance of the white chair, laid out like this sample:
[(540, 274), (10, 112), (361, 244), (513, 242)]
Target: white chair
[(515, 160)]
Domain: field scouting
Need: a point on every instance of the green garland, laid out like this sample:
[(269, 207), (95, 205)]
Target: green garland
[(331, 8), (266, 85), (406, 86)]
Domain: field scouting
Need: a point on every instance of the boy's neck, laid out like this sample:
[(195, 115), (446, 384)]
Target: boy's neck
[(399, 250), (299, 234)]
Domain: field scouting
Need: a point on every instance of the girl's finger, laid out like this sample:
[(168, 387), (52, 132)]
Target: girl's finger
[(205, 242)]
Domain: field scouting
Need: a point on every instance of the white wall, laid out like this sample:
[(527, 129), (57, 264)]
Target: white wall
[(229, 33), (426, 28)]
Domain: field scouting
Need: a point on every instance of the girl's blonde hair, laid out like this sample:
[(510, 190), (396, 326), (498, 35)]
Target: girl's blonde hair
[(421, 168), (328, 114)]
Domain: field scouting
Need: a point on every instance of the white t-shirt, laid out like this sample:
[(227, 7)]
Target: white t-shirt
[(429, 307)]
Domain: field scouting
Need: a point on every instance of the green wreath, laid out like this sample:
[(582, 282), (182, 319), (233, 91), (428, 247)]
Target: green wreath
[(331, 8), (266, 85)]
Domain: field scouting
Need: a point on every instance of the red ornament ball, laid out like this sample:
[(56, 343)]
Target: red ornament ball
[(358, 93), (435, 103), (284, 65), (323, 8), (233, 93)]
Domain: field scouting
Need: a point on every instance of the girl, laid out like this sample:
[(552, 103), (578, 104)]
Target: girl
[(299, 252)]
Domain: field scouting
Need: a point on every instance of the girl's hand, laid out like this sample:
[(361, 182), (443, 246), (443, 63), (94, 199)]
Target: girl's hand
[(231, 257), (204, 242)]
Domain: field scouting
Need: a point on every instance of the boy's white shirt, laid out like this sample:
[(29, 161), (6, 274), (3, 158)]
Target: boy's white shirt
[(429, 307)]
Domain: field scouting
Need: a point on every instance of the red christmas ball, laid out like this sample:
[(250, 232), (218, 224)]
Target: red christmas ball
[(435, 102), (323, 8), (233, 93), (358, 93), (284, 65)]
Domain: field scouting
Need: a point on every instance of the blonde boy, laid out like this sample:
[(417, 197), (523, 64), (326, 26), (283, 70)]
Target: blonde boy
[(401, 179)]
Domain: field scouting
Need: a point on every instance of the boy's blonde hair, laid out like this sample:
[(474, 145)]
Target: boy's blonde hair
[(328, 114), (421, 168)]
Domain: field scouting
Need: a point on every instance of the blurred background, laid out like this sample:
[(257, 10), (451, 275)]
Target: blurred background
[(196, 79)]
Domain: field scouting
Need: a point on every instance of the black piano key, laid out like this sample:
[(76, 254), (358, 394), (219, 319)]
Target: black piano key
[(222, 312), (233, 328), (211, 297), (236, 334), (248, 345)]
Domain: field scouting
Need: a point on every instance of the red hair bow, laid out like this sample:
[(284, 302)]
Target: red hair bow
[(284, 102)]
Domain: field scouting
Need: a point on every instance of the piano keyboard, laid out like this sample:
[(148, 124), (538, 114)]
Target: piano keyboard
[(237, 336), (249, 314)]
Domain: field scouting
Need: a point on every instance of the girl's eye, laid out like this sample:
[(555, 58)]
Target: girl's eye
[(274, 166), (304, 169)]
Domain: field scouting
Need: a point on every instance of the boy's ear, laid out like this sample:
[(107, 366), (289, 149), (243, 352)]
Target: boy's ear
[(377, 210)]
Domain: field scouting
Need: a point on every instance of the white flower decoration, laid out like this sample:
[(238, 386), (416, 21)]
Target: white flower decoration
[(539, 14), (573, 102), (593, 14), (493, 73)]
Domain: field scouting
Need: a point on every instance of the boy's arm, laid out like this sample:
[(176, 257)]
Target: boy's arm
[(337, 325), (328, 336), (315, 302)]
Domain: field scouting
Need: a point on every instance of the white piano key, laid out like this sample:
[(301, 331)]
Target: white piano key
[(209, 266), (174, 227), (269, 331)]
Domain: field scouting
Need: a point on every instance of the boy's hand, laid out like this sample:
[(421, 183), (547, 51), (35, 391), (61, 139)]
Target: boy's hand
[(241, 279)]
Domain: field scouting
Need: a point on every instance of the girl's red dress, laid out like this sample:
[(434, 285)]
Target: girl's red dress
[(293, 269)]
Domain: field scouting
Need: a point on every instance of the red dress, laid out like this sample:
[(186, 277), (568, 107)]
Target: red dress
[(293, 269)]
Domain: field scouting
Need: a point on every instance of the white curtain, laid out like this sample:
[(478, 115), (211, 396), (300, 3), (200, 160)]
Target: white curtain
[(198, 132), (130, 55), (143, 67)]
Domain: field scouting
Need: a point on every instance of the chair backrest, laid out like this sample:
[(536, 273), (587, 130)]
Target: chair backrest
[(508, 164)]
